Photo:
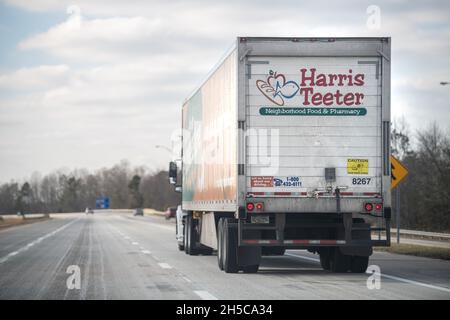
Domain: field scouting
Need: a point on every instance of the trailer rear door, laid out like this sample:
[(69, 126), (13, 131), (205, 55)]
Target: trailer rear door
[(305, 114)]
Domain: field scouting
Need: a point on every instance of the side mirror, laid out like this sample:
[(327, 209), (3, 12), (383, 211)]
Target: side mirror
[(173, 172)]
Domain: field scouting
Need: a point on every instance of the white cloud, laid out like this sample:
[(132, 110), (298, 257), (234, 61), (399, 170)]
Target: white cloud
[(124, 67), (97, 40), (35, 78)]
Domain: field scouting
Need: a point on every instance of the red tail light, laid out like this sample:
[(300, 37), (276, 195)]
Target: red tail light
[(259, 206), (378, 206), (250, 206), (368, 207)]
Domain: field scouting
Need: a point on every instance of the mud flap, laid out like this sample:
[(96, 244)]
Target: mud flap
[(356, 251), (249, 256), (362, 251)]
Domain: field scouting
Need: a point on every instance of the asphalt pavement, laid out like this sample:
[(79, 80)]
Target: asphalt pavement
[(120, 256)]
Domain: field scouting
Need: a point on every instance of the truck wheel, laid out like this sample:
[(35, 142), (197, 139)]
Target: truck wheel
[(251, 269), (191, 241), (230, 247), (186, 236), (339, 262), (325, 258), (359, 264), (206, 251), (220, 243)]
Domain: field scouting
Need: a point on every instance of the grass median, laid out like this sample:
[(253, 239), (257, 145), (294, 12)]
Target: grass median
[(417, 250), (7, 222)]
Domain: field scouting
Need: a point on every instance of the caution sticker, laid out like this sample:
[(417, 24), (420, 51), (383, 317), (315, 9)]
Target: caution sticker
[(358, 166)]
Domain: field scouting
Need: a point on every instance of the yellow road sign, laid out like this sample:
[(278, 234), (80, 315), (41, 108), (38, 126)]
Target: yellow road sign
[(398, 172)]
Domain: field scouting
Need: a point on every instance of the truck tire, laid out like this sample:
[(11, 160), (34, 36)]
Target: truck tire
[(206, 251), (251, 269), (339, 262), (191, 247), (325, 258), (186, 236), (230, 247), (273, 251), (220, 243), (359, 264)]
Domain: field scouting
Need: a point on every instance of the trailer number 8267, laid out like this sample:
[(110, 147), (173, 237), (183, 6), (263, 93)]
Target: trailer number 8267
[(361, 181)]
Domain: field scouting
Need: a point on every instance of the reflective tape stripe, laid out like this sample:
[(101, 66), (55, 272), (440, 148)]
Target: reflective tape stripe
[(305, 194), (301, 242)]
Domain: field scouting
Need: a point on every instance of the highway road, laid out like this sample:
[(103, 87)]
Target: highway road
[(125, 257)]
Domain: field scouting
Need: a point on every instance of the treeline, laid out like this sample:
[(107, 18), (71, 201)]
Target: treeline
[(61, 191), (425, 194)]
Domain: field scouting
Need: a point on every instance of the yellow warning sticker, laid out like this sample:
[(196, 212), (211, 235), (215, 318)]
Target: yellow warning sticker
[(358, 166)]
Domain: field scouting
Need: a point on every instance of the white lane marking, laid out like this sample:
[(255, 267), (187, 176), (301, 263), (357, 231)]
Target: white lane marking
[(146, 252), (302, 257), (165, 265), (417, 283), (430, 286), (161, 226), (38, 240), (135, 243), (205, 295), (187, 279)]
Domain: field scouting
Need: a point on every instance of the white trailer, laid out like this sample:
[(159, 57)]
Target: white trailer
[(286, 145)]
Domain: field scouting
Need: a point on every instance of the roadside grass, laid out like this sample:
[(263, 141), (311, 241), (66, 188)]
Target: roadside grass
[(149, 211), (417, 250), (7, 222)]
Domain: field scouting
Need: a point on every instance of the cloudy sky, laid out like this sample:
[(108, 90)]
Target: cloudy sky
[(88, 83)]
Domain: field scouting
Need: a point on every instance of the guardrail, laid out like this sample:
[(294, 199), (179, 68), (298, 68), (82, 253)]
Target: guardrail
[(414, 234)]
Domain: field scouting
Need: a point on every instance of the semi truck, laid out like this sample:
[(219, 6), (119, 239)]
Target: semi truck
[(286, 145)]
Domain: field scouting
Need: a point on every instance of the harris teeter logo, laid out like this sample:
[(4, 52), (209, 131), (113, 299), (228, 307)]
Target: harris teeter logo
[(332, 102)]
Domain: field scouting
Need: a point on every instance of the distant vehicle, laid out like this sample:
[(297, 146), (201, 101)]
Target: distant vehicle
[(170, 213), (138, 212), (89, 210)]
